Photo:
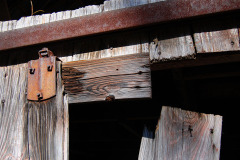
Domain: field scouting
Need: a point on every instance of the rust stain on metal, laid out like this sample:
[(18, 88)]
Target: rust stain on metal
[(132, 17), (41, 77)]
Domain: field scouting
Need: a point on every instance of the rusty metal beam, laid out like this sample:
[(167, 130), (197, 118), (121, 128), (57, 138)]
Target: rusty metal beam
[(127, 18)]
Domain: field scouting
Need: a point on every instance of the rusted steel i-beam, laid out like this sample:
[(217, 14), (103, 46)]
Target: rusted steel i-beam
[(138, 16)]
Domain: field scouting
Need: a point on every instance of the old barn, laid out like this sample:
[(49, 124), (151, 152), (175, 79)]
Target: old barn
[(119, 79)]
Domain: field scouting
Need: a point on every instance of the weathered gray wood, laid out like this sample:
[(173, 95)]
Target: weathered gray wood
[(106, 46), (201, 60), (217, 41), (183, 134), (31, 130), (93, 80), (48, 126), (13, 113), (147, 148), (216, 36), (170, 43)]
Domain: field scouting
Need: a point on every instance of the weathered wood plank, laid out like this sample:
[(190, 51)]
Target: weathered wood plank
[(87, 10), (147, 148), (48, 126), (31, 130), (216, 35), (13, 113), (183, 134), (106, 46), (201, 60), (170, 43), (93, 80)]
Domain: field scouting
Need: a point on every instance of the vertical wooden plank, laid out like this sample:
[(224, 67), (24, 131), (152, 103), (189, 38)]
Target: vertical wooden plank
[(107, 46), (46, 18), (1, 26), (169, 135), (48, 126), (216, 130), (12, 25), (106, 6), (53, 17), (147, 146), (13, 112), (183, 134), (5, 26)]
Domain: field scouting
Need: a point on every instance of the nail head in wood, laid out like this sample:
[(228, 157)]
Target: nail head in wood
[(110, 98)]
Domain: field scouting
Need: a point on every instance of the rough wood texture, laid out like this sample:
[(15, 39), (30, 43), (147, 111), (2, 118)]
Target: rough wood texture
[(93, 80), (31, 130), (169, 43), (201, 60), (92, 9), (105, 46), (216, 35), (147, 148), (13, 113), (183, 134), (165, 43), (48, 126)]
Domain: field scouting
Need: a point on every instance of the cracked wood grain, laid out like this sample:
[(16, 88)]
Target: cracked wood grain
[(182, 134), (13, 113), (124, 77), (31, 130)]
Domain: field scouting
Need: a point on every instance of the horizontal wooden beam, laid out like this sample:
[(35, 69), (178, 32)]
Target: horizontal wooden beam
[(199, 60), (121, 19), (123, 77)]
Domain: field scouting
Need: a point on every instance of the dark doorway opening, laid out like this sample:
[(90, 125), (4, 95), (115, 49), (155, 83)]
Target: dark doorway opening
[(113, 130)]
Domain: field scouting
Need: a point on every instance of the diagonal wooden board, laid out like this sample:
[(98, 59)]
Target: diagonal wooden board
[(124, 77), (182, 134)]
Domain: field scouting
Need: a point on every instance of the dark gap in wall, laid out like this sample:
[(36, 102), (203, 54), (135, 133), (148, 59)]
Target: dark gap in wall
[(104, 130)]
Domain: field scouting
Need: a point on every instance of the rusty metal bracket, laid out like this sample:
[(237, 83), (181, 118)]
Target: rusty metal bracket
[(42, 76)]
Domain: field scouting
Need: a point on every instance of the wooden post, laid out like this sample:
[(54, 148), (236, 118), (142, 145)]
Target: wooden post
[(183, 134), (31, 130), (13, 112)]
